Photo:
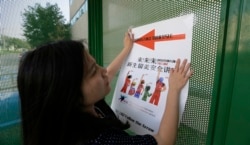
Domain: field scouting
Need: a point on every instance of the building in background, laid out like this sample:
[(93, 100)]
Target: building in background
[(79, 19)]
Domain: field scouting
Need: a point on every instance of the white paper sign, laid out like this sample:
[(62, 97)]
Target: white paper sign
[(142, 86)]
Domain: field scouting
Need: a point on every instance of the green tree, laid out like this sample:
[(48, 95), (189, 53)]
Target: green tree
[(44, 24), (11, 42), (16, 43)]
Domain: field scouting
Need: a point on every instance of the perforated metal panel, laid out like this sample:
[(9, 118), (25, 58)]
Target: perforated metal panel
[(9, 59), (118, 15), (9, 105)]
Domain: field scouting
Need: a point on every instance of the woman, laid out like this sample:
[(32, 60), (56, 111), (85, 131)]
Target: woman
[(62, 91)]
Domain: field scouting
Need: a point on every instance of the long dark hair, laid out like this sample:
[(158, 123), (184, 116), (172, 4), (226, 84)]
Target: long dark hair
[(49, 85)]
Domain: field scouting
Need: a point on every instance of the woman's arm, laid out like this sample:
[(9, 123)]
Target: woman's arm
[(115, 65), (169, 125)]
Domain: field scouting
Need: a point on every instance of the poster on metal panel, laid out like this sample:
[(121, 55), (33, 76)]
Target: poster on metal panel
[(141, 92)]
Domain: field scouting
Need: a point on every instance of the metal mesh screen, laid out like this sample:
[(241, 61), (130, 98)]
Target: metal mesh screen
[(9, 108), (118, 15)]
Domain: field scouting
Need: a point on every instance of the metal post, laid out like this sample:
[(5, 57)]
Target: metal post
[(95, 30)]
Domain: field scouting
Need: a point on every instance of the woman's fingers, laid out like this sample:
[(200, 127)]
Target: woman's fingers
[(186, 69), (183, 66), (189, 74), (177, 65)]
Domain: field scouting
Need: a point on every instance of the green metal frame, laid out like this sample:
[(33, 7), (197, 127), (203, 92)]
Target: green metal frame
[(225, 73), (218, 72), (95, 30)]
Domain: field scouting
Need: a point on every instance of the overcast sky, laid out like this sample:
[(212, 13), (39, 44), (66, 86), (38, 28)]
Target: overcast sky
[(10, 14)]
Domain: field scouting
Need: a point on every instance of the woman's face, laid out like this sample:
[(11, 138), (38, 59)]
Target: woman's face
[(95, 84)]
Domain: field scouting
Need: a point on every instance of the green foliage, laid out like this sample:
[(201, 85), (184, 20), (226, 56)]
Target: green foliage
[(16, 43), (44, 24), (13, 43)]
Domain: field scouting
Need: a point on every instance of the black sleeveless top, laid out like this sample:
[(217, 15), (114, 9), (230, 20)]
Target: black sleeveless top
[(116, 136)]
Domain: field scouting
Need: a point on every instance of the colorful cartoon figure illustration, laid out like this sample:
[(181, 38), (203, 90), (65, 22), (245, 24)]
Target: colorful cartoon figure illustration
[(160, 87), (122, 98), (132, 88), (126, 83), (146, 93), (140, 87)]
